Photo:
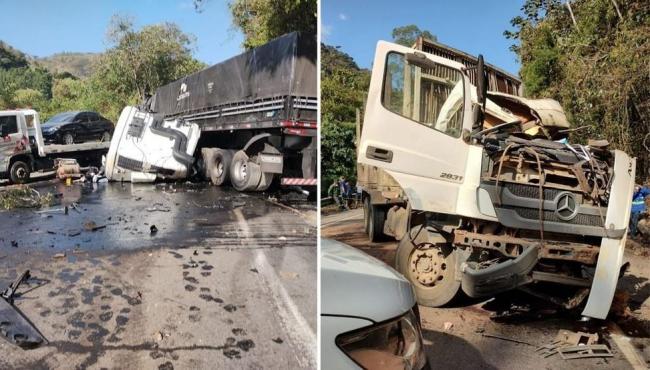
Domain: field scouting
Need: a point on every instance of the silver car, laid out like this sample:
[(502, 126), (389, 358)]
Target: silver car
[(369, 315)]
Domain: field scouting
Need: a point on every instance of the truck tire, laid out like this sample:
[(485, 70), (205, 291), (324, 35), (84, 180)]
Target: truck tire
[(265, 181), (374, 217), (431, 268), (220, 171), (244, 174), (19, 172)]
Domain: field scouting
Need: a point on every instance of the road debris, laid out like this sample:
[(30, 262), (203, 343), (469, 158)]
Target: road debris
[(153, 229), (14, 326), (59, 255), (566, 340), (448, 325), (508, 339), (587, 351)]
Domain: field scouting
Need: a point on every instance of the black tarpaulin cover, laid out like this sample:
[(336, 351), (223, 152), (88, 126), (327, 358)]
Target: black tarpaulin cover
[(283, 67)]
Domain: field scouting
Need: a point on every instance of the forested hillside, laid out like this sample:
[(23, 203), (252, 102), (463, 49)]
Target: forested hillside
[(594, 57), (76, 64)]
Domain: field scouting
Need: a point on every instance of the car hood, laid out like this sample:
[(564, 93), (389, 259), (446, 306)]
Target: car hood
[(47, 125), (355, 284)]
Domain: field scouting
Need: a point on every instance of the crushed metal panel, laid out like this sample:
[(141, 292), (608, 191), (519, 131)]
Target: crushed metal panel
[(610, 258), (548, 111)]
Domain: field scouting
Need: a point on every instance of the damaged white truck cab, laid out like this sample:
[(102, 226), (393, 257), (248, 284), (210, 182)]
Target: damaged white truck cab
[(484, 193), (145, 147)]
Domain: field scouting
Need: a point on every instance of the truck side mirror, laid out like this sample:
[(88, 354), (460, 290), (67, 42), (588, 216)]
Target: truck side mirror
[(481, 93)]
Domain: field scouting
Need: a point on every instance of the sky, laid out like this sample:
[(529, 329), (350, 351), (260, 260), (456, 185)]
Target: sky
[(44, 27), (473, 26)]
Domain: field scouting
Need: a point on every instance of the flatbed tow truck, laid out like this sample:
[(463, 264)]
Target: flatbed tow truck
[(23, 151)]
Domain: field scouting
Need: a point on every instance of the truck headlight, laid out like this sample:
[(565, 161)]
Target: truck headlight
[(394, 345)]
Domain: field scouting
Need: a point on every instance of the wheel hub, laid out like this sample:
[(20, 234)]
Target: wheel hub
[(20, 172), (428, 266)]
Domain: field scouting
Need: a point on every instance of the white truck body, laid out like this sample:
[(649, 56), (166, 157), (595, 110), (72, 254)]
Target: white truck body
[(144, 149), (440, 171)]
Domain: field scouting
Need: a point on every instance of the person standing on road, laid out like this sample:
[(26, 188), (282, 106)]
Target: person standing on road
[(638, 207)]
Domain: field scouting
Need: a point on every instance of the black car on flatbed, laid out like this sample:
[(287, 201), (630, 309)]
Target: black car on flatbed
[(77, 127)]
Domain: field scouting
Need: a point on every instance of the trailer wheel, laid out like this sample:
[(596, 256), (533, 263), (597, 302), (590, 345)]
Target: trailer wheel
[(67, 139), (19, 172), (244, 174), (374, 217), (431, 268), (220, 171)]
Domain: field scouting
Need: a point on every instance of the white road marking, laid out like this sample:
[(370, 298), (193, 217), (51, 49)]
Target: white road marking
[(301, 337)]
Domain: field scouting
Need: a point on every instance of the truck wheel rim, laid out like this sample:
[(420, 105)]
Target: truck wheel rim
[(428, 266), (68, 139), (241, 171)]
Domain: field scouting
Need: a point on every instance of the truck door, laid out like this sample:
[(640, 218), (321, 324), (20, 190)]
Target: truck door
[(418, 107), (11, 138)]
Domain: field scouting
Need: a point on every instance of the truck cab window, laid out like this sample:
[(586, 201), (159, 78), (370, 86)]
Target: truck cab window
[(433, 98), (8, 125)]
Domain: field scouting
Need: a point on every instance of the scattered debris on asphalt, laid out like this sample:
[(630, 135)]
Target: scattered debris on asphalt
[(508, 339), (586, 351), (448, 325), (14, 326), (153, 229), (59, 255)]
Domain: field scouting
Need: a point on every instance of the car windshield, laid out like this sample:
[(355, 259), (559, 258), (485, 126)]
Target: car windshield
[(60, 118)]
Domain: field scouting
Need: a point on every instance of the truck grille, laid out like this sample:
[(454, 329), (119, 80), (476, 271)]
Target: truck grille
[(549, 216), (528, 191), (135, 165)]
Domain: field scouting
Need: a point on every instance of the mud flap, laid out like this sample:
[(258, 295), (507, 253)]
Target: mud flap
[(610, 258)]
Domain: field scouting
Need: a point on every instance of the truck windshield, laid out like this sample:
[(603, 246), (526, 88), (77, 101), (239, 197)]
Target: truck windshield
[(433, 98), (60, 118)]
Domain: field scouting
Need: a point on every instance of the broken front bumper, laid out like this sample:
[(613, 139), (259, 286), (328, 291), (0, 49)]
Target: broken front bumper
[(511, 212), (499, 277)]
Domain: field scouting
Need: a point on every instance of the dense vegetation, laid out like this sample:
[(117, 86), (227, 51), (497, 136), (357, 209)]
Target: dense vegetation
[(343, 89), (595, 62), (263, 20)]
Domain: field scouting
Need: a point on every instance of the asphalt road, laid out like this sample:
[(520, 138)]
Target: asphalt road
[(227, 281), (459, 337)]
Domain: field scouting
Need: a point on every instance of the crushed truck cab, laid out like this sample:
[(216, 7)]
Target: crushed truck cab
[(484, 190)]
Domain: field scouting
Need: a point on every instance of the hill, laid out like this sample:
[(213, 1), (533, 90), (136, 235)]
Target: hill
[(77, 64)]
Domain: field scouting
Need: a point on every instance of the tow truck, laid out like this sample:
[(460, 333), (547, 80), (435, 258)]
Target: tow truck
[(23, 152)]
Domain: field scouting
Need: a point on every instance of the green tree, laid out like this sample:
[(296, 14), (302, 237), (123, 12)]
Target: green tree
[(343, 90), (593, 58), (28, 98), (338, 153), (138, 63), (407, 35), (263, 20)]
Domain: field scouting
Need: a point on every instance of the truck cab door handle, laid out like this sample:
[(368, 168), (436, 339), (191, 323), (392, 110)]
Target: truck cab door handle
[(379, 154)]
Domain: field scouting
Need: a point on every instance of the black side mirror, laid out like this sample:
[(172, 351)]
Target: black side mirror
[(420, 60), (481, 94)]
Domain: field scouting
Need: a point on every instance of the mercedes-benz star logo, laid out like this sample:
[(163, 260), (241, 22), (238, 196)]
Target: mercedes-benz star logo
[(566, 207)]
